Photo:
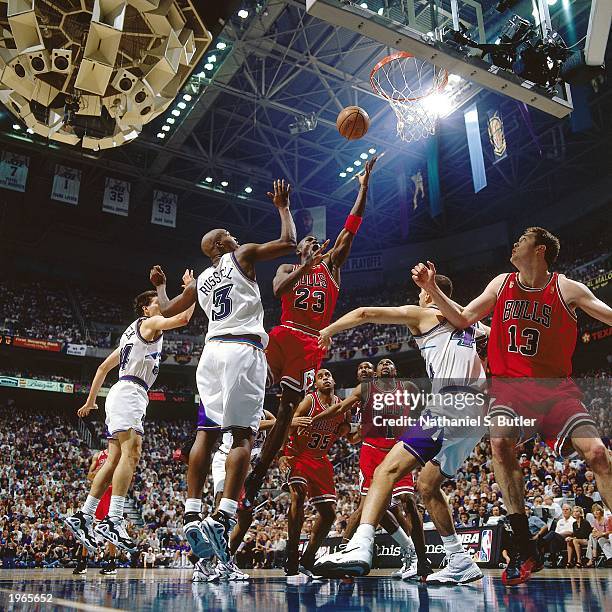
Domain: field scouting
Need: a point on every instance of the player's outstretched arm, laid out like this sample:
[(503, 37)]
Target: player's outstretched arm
[(267, 422), (178, 304), (251, 252), (286, 276), (395, 315), (112, 361), (578, 295), (341, 407), (424, 276), (342, 247)]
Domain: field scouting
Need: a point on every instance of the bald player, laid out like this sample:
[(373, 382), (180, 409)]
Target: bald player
[(231, 374)]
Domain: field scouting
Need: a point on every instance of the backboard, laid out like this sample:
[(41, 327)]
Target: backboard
[(427, 29)]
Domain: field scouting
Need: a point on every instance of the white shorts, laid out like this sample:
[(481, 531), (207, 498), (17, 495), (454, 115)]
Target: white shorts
[(231, 379), (218, 471), (126, 408)]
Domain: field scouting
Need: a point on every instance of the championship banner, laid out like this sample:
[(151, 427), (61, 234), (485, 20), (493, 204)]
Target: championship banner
[(311, 222), (14, 171), (164, 208), (39, 345), (497, 136), (116, 197), (66, 185), (79, 350), (363, 263)]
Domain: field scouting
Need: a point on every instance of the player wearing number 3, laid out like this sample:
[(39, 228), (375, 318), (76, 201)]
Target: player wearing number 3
[(138, 357), (308, 292), (231, 375), (533, 335)]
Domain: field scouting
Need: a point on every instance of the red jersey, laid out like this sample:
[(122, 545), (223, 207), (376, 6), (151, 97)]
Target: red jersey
[(310, 304), (374, 408), (319, 437), (102, 457), (533, 332)]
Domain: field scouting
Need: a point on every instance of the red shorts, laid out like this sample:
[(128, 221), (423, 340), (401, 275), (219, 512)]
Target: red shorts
[(317, 473), (555, 408), (369, 459), (293, 357), (104, 505)]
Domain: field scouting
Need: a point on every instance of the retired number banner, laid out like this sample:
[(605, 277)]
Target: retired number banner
[(116, 197), (66, 184), (13, 171), (164, 208)]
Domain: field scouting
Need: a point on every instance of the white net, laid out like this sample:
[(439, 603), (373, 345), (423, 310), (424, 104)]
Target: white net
[(413, 88)]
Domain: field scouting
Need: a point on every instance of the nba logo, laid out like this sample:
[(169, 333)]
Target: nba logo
[(486, 541)]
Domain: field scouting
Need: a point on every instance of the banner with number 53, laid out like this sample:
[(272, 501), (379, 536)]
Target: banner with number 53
[(116, 197), (164, 208)]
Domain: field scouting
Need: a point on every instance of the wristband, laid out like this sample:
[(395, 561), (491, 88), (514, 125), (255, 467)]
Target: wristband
[(352, 224)]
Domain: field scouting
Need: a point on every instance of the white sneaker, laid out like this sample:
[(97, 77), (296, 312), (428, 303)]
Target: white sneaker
[(354, 560), (197, 540), (202, 571), (411, 572), (113, 530), (299, 578), (460, 570), (81, 525), (217, 528), (399, 572)]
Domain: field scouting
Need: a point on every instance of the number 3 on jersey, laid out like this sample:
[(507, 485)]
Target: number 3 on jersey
[(531, 337), (222, 303), (302, 296)]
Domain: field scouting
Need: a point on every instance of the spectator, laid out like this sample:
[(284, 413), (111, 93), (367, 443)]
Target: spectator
[(600, 535), (555, 539), (582, 500), (582, 531)]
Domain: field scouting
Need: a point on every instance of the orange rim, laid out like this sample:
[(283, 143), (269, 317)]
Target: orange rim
[(391, 58)]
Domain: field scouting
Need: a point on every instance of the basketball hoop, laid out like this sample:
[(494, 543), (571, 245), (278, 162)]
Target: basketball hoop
[(412, 87)]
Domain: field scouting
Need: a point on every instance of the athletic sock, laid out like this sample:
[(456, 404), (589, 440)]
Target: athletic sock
[(364, 532), (520, 529), (404, 540), (193, 505), (90, 506), (229, 506), (452, 543), (116, 506)]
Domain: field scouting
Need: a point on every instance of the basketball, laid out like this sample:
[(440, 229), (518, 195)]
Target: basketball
[(353, 122)]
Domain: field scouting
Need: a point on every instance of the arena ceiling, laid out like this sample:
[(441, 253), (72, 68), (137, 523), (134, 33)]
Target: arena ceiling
[(281, 67)]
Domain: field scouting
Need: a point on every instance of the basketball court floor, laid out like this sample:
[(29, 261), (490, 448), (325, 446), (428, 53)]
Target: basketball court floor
[(170, 590)]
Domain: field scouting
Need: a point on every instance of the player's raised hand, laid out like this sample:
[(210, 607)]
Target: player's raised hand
[(364, 176), (280, 197), (325, 339), (157, 276), (83, 411), (424, 275), (187, 277), (316, 256)]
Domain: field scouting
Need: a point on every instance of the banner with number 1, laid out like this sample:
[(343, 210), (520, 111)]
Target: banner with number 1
[(66, 184)]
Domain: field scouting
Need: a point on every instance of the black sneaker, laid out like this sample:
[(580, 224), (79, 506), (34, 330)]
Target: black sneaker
[(81, 525), (110, 569), (516, 571), (81, 568), (252, 486), (113, 530), (217, 529)]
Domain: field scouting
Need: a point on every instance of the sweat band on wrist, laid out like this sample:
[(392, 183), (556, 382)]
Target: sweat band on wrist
[(352, 224)]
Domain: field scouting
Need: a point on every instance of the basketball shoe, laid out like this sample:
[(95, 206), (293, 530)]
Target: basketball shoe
[(113, 529), (217, 528), (81, 568), (195, 536), (228, 572), (81, 525), (203, 570), (460, 569), (110, 569), (354, 560)]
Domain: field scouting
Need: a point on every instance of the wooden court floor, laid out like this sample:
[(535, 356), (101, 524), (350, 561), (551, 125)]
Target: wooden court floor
[(172, 590)]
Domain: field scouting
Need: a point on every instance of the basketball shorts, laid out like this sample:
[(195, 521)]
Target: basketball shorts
[(293, 357), (317, 474), (104, 504), (435, 438), (231, 379), (369, 459), (555, 409), (126, 408)]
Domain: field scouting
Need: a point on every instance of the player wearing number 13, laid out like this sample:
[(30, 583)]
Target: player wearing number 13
[(533, 335)]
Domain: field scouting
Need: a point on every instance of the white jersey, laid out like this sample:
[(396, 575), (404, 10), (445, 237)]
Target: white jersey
[(231, 301), (450, 356), (139, 358), (258, 443)]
